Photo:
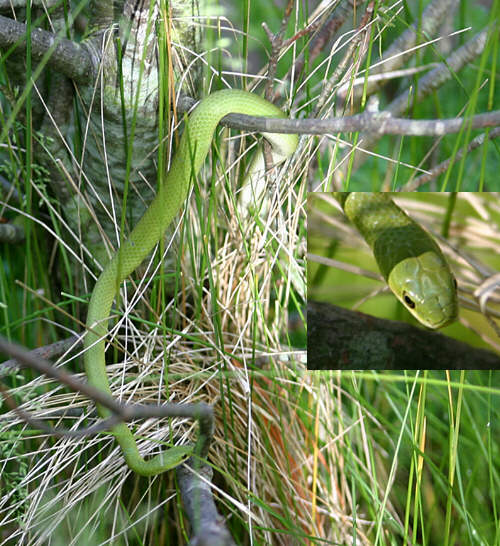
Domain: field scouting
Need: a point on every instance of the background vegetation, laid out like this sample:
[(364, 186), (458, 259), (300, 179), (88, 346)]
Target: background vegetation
[(300, 458)]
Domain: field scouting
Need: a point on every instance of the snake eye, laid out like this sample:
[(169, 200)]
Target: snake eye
[(455, 283), (409, 302)]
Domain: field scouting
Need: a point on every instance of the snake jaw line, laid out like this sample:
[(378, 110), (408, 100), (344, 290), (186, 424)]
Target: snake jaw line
[(426, 287)]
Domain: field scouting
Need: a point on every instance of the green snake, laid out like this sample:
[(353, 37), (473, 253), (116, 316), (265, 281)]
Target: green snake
[(409, 259), (172, 193)]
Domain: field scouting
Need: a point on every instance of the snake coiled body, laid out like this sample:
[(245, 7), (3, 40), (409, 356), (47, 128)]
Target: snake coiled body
[(409, 259), (172, 193)]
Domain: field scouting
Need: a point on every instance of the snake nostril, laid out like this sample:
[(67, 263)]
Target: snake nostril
[(409, 302)]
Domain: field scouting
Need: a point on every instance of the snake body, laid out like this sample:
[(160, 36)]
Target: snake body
[(409, 259), (172, 193)]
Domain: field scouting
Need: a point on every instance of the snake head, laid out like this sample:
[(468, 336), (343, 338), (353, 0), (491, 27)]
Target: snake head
[(426, 287)]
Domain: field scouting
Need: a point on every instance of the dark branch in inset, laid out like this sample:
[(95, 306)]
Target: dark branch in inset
[(340, 339)]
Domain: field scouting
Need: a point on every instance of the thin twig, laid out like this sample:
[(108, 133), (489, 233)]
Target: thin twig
[(429, 83), (121, 412), (52, 350), (477, 141), (57, 432), (436, 77), (327, 90), (380, 123), (276, 47), (326, 30), (404, 46)]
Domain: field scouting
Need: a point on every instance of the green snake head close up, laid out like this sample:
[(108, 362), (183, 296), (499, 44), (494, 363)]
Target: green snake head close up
[(425, 286), (408, 257)]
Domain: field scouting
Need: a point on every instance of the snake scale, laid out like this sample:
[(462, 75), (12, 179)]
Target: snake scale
[(409, 259), (172, 193)]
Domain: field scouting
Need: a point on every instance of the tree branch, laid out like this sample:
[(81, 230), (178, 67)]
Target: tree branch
[(67, 57), (377, 123), (276, 41), (346, 67), (207, 525), (429, 83), (121, 412), (380, 123), (477, 141), (326, 30), (48, 351), (341, 339), (403, 47), (436, 77)]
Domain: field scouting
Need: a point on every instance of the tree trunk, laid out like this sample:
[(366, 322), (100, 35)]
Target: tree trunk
[(113, 161)]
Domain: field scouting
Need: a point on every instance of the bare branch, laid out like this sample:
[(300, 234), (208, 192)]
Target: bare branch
[(327, 29), (121, 412), (58, 432), (27, 359), (207, 525), (65, 56), (339, 338), (436, 77), (48, 351), (402, 48), (276, 46), (327, 91), (378, 123), (427, 84), (477, 141)]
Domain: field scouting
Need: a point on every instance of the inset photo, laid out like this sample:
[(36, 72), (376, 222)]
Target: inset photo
[(403, 280)]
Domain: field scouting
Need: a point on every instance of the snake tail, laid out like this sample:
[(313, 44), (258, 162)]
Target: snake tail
[(409, 259), (172, 193)]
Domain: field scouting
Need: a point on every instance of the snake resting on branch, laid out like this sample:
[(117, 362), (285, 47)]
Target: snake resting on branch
[(409, 259), (172, 192)]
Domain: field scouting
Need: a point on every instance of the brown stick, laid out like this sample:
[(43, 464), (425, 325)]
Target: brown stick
[(207, 525), (121, 412), (340, 339)]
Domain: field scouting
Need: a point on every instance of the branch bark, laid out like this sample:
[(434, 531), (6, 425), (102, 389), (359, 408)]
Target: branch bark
[(402, 48), (477, 141), (206, 523), (379, 123), (65, 56), (340, 339), (121, 412)]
